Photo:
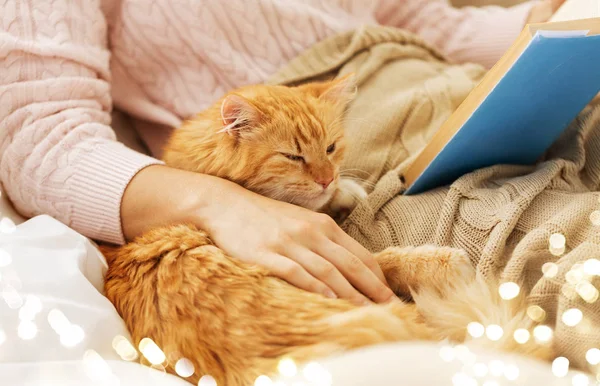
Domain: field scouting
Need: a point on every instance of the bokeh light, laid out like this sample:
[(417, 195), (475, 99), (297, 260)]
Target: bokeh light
[(593, 356), (560, 367), (184, 368), (580, 379), (207, 380), (509, 290), (550, 270), (494, 332), (521, 336), (536, 313), (572, 317), (511, 372), (263, 380), (124, 348), (151, 351), (27, 330), (542, 334), (287, 367), (475, 329)]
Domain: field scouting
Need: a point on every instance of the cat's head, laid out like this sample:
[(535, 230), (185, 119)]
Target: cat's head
[(293, 138)]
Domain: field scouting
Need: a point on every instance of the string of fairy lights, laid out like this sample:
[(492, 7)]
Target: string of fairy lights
[(578, 283)]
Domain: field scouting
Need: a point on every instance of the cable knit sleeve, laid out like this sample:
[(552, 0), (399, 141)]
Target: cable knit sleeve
[(58, 154), (479, 35)]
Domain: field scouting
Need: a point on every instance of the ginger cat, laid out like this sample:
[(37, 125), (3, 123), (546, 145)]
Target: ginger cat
[(235, 321)]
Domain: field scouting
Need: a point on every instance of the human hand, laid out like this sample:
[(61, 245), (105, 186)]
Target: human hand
[(543, 11), (305, 248)]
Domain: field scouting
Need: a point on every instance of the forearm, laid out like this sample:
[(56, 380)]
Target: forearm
[(58, 153), (159, 195)]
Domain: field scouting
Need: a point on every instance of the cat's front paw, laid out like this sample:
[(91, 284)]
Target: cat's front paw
[(347, 196)]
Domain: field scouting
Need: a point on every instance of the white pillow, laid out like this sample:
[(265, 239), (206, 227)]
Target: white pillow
[(44, 259)]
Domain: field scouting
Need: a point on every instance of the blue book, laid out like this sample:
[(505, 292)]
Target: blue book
[(520, 107)]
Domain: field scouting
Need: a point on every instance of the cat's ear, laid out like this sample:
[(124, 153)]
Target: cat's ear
[(237, 114), (341, 90)]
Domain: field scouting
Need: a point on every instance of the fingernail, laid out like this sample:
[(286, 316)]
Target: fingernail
[(330, 294)]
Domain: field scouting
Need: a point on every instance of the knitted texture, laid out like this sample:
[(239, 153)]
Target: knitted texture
[(503, 216), (66, 62)]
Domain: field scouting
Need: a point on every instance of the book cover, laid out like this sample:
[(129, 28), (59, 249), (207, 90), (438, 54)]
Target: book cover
[(532, 104)]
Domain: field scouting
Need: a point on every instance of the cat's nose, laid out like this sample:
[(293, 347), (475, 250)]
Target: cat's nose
[(324, 182)]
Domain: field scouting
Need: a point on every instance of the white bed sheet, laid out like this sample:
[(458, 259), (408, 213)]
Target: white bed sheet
[(65, 272)]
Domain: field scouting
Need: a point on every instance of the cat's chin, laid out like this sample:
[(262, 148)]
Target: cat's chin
[(316, 202)]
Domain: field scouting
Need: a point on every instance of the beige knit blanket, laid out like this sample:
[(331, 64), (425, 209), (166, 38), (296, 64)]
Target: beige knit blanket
[(503, 216)]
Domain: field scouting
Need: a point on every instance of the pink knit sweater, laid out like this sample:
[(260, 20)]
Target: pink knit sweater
[(66, 63)]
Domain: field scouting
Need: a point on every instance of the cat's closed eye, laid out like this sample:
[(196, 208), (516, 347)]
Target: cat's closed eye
[(331, 148), (292, 157)]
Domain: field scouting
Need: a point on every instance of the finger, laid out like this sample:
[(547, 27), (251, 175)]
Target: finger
[(354, 247), (327, 273), (357, 273), (295, 274)]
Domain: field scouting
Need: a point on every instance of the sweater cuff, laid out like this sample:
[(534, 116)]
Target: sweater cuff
[(97, 189), (498, 30)]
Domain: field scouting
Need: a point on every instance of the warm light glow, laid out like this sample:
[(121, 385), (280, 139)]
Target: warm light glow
[(542, 334), (124, 348), (151, 351), (72, 336), (593, 356), (7, 225), (560, 367), (95, 366), (575, 275), (184, 368), (207, 380), (580, 379), (287, 367), (587, 291), (557, 240), (475, 329), (595, 218), (263, 380), (462, 379), (509, 290), (27, 330), (568, 291), (550, 270), (511, 372), (494, 332), (496, 368), (447, 353), (592, 267), (58, 321), (480, 370), (572, 317), (521, 335), (5, 258), (536, 313), (316, 374)]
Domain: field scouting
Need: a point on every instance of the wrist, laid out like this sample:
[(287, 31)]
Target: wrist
[(159, 195)]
